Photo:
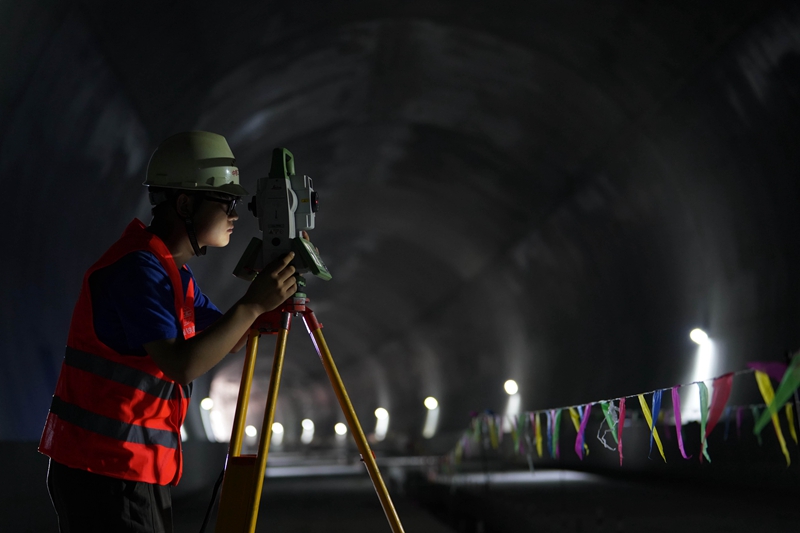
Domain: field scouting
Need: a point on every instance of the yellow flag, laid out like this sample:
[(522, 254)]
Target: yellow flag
[(790, 418), (538, 425), (768, 394), (649, 418)]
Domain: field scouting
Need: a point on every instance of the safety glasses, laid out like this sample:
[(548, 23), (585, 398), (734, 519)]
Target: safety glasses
[(230, 201)]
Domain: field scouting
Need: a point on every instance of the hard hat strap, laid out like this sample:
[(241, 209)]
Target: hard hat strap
[(193, 237)]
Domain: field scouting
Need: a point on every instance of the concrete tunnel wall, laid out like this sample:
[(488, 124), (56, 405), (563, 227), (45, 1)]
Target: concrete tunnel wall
[(553, 194)]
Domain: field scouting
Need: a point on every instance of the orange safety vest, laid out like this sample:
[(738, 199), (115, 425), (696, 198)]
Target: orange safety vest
[(116, 415)]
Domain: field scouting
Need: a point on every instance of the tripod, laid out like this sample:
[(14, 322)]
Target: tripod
[(244, 474)]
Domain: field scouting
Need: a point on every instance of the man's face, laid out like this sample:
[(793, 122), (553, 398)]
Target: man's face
[(213, 225)]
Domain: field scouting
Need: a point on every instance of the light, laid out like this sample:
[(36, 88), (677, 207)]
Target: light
[(308, 431), (207, 404), (250, 431), (431, 403), (704, 368), (382, 425), (340, 429), (699, 336), (277, 434), (511, 387)]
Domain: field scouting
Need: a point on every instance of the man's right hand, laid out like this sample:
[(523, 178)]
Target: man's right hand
[(273, 285)]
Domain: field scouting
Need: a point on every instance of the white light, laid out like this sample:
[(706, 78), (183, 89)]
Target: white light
[(704, 369), (277, 434), (512, 412), (184, 435), (308, 431), (382, 425), (381, 413), (431, 421), (250, 431), (699, 336), (340, 429), (511, 386), (207, 404), (431, 403)]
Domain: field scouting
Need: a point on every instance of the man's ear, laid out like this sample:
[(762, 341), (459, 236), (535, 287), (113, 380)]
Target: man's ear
[(184, 205)]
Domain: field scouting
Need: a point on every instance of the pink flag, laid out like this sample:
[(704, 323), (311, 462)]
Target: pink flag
[(676, 406), (620, 425)]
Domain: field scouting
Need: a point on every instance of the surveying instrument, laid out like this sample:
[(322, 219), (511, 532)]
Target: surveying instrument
[(285, 204)]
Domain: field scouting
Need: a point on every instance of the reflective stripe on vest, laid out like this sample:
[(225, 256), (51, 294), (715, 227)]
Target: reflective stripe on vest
[(112, 428), (137, 379)]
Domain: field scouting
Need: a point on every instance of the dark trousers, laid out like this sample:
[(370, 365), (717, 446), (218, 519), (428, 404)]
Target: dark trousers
[(87, 502)]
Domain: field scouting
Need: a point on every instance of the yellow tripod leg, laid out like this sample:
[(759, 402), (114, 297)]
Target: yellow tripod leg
[(315, 330), (244, 474)]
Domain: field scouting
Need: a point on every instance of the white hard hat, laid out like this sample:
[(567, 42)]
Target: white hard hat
[(195, 161)]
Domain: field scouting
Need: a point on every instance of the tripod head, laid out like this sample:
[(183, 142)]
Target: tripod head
[(285, 205)]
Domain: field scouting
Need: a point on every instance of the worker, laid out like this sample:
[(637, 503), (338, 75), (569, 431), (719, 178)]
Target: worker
[(140, 333)]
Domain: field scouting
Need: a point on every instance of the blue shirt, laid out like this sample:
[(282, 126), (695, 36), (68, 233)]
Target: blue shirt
[(133, 304)]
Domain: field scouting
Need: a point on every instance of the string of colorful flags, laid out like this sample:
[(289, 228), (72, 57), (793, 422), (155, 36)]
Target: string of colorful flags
[(528, 434)]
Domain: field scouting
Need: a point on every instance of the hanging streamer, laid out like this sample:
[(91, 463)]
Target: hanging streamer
[(788, 384), (493, 430), (703, 419), (756, 414), (765, 387), (676, 407), (538, 434), (739, 411), (656, 409), (579, 440), (610, 416), (649, 419), (575, 418), (556, 427), (790, 418), (727, 417), (620, 426), (722, 391), (515, 431)]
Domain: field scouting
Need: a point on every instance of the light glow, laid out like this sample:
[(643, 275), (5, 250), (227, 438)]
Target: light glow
[(512, 411), (340, 429), (431, 403), (511, 387), (308, 431), (704, 367), (699, 336), (250, 431), (277, 434), (382, 424), (207, 404)]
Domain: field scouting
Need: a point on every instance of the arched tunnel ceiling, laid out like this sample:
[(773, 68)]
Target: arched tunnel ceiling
[(553, 193)]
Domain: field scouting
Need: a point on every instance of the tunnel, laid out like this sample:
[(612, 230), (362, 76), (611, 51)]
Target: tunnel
[(526, 207)]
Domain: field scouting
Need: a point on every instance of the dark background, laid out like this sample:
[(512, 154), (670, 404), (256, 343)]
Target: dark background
[(551, 192)]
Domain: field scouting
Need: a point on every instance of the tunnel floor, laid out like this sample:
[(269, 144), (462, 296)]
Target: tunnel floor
[(300, 505), (550, 501)]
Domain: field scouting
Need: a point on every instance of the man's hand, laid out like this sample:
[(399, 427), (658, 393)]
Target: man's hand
[(273, 285)]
